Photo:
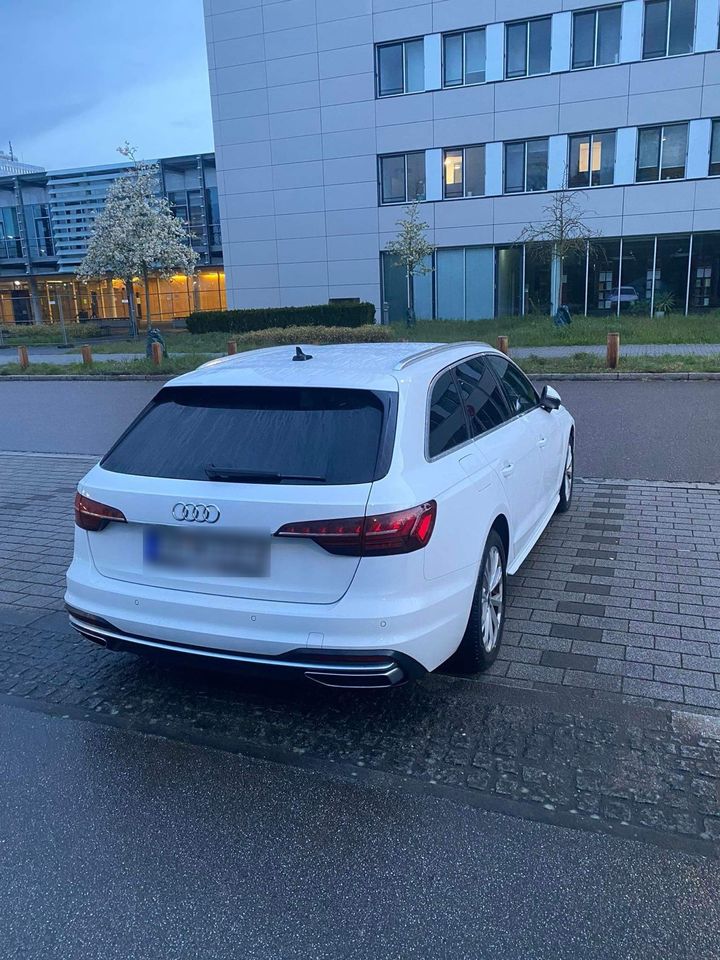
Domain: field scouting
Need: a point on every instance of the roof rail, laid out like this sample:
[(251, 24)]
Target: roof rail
[(431, 351)]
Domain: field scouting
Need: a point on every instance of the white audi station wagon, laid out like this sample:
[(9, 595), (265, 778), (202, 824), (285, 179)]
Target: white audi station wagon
[(348, 513)]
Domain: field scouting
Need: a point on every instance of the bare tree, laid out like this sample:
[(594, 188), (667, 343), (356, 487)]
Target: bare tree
[(412, 248), (562, 234)]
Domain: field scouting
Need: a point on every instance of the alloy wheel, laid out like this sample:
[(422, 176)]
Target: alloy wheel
[(568, 476), (492, 599)]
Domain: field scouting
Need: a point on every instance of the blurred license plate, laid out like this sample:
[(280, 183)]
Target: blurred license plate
[(206, 554)]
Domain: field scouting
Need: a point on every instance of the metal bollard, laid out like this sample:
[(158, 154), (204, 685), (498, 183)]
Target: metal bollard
[(613, 350)]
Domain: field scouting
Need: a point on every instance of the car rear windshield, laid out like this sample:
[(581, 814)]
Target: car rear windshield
[(259, 434)]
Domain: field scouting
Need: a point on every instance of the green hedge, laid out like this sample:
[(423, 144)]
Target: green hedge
[(246, 321)]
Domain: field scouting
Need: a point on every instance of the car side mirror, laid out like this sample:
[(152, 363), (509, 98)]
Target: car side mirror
[(550, 399)]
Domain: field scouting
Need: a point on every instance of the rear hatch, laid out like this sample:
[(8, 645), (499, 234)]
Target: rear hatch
[(207, 475)]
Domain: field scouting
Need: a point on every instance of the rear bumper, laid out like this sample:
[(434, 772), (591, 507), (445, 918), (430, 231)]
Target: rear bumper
[(360, 669), (424, 624)]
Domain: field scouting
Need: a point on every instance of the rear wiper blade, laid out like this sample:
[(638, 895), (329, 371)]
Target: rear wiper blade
[(235, 475)]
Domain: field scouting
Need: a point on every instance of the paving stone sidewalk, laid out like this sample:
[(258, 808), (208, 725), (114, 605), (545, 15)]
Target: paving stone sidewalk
[(604, 710)]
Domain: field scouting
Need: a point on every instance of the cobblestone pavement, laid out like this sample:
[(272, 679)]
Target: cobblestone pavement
[(603, 711)]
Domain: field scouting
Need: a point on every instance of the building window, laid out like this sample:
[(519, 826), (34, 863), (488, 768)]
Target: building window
[(662, 152), (526, 166), (669, 28), (402, 177), (401, 68), (715, 150), (592, 160), (464, 172), (10, 245), (40, 241), (527, 45), (464, 58), (596, 37)]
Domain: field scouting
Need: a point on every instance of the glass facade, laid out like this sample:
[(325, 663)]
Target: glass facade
[(55, 299), (666, 274)]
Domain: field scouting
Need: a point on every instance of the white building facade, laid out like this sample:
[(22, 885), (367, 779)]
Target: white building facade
[(331, 115)]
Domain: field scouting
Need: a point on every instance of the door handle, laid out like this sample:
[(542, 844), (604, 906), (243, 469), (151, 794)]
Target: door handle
[(542, 441), (508, 469)]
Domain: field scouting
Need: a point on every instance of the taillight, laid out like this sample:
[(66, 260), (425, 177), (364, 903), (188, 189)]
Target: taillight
[(374, 536), (91, 515)]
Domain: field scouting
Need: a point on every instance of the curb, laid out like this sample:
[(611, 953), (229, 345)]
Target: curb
[(89, 378), (164, 377), (624, 376)]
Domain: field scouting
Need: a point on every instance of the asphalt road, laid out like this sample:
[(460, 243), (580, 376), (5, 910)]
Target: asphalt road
[(639, 430), (117, 845)]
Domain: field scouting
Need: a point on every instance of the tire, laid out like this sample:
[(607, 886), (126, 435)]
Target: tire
[(568, 479), (479, 647)]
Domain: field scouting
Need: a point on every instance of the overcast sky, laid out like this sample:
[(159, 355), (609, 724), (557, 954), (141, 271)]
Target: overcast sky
[(82, 76)]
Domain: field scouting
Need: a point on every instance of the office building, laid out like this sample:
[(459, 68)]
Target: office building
[(331, 115), (46, 220)]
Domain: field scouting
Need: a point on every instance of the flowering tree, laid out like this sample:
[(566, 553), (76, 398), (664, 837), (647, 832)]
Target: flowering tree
[(137, 234), (412, 248)]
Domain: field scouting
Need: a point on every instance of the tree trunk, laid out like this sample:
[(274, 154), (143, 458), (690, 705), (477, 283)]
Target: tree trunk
[(130, 294), (147, 298), (411, 297), (556, 271)]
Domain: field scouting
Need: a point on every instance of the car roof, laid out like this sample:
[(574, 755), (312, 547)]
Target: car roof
[(372, 366)]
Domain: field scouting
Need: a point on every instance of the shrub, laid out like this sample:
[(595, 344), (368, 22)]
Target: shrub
[(245, 321), (295, 336)]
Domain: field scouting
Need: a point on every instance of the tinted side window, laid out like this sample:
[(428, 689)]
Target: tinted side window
[(520, 393), (482, 396), (448, 426)]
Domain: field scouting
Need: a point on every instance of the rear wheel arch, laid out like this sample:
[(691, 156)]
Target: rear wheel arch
[(502, 527)]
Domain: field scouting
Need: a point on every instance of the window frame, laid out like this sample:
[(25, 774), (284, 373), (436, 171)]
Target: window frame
[(517, 193), (404, 155), (463, 149), (662, 127), (450, 368), (523, 413), (667, 54), (395, 43), (526, 22), (596, 36), (463, 82), (591, 135), (714, 133)]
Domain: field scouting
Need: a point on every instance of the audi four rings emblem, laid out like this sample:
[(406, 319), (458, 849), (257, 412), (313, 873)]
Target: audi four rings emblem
[(196, 512)]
